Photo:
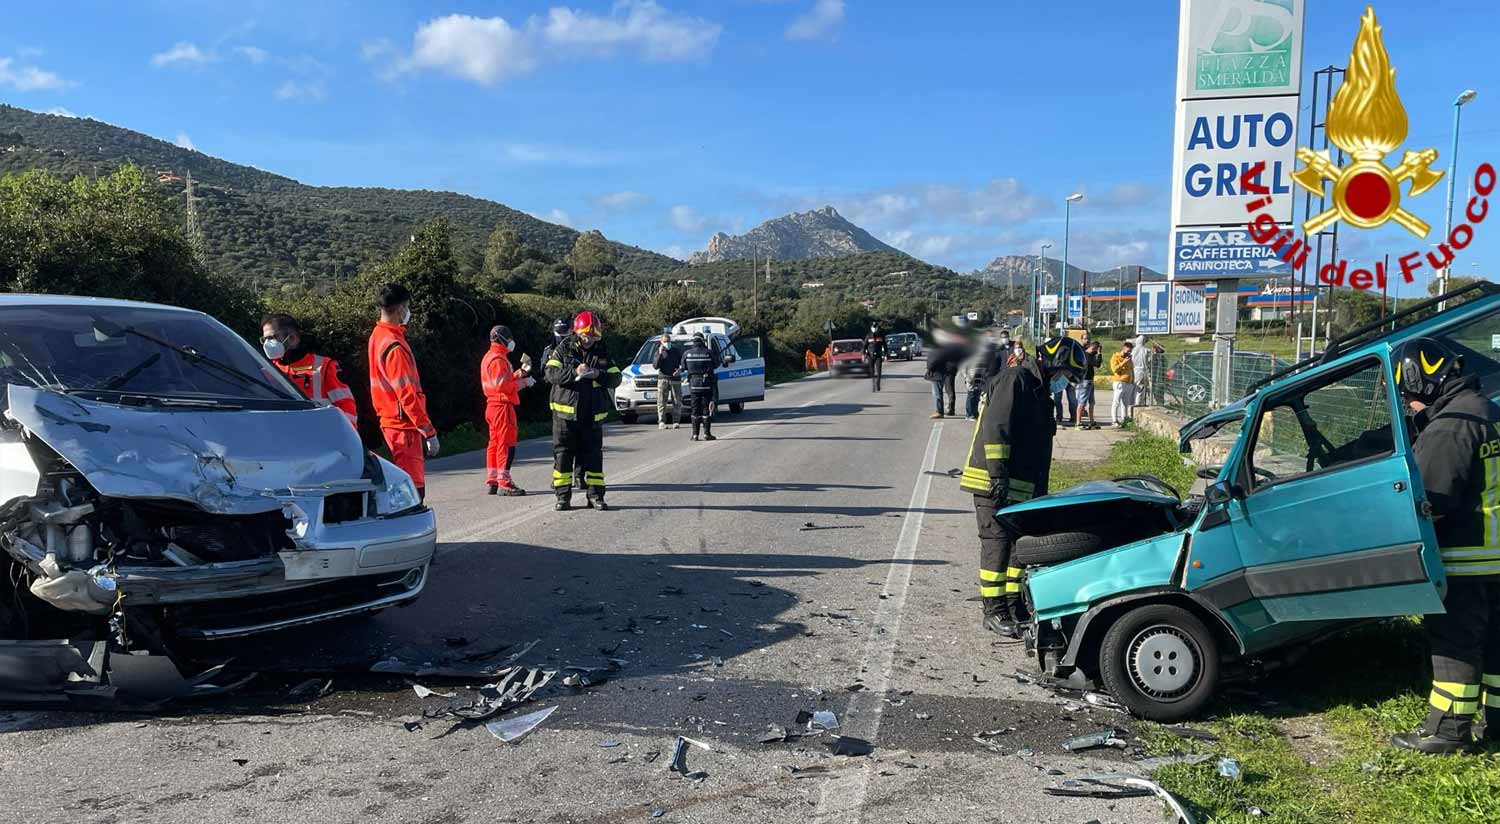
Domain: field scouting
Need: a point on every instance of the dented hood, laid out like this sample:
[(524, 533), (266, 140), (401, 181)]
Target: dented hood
[(1089, 499), (223, 461)]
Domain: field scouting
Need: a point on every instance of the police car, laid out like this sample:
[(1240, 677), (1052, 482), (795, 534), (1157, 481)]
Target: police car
[(742, 378)]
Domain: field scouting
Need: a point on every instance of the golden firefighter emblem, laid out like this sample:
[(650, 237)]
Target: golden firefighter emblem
[(1368, 122)]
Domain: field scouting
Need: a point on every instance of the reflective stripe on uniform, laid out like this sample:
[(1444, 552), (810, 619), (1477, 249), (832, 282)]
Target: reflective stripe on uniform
[(598, 416), (614, 369), (1455, 698), (997, 451), (1464, 568), (1013, 580), (563, 408), (989, 575), (560, 479), (990, 592), (554, 362), (340, 394), (1489, 502), (594, 478), (1492, 699), (1491, 681)]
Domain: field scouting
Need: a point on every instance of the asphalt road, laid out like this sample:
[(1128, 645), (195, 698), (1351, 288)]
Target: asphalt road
[(728, 612)]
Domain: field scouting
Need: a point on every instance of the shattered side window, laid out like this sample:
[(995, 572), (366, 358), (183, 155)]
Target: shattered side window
[(1324, 426), (1478, 341)]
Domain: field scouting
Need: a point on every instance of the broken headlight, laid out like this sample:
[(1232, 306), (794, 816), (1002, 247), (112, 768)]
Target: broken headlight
[(396, 492)]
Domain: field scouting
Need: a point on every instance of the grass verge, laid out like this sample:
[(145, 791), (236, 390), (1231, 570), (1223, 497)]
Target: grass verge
[(1312, 739)]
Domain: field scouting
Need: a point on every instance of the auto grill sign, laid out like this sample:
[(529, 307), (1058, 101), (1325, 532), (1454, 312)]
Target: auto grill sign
[(1238, 91)]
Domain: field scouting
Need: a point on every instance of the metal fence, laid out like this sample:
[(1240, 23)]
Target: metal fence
[(1185, 384)]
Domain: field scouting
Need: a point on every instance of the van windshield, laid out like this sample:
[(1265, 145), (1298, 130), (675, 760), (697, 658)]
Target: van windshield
[(848, 346), (141, 352)]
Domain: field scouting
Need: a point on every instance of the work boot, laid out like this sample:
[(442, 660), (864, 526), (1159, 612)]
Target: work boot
[(510, 489), (494, 488), (599, 504), (1421, 742), (935, 415), (563, 505), (1002, 625), (709, 436)]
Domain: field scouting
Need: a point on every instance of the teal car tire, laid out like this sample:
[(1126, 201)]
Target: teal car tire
[(1161, 662)]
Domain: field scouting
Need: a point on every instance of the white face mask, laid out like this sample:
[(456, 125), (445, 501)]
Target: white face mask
[(405, 315), (273, 348)]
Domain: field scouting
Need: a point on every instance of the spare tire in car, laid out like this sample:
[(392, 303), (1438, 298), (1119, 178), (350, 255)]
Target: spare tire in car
[(1045, 550)]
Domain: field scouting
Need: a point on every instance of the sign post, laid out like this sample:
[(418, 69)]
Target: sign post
[(1239, 84)]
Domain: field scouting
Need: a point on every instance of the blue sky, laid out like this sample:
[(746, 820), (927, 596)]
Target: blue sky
[(950, 129)]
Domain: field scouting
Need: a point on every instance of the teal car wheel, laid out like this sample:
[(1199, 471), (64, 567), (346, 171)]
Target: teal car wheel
[(1160, 661)]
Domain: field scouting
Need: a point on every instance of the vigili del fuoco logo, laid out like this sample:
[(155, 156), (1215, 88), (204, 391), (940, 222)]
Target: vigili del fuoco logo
[(1367, 121)]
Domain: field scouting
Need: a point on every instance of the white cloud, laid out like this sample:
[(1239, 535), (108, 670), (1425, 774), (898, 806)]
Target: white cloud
[(490, 50), (485, 50), (182, 54), (824, 19), (303, 92), (676, 251), (646, 27), (621, 201), (254, 54), (185, 142), (25, 77), (687, 219), (60, 112), (999, 202), (559, 217)]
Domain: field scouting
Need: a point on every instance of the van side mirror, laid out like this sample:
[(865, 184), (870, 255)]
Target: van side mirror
[(1222, 492)]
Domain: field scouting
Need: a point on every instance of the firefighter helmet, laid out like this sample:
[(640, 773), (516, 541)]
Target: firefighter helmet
[(587, 324), (1064, 355), (560, 327), (1423, 365)]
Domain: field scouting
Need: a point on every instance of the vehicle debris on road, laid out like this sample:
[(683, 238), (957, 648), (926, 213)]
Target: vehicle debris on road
[(516, 686), (1111, 737), (678, 763), (512, 730), (850, 746)]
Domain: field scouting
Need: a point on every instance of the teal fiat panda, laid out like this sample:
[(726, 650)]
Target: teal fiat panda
[(1312, 520)]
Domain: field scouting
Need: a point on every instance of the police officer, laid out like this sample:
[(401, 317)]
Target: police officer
[(1457, 452), (699, 362), (875, 354), (1009, 460), (581, 376)]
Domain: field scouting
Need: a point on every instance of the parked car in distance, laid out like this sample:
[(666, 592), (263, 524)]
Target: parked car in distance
[(1190, 378), (152, 460), (846, 357), (903, 346)]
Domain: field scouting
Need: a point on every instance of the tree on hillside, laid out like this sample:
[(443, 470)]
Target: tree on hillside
[(111, 237), (503, 252), (592, 256)]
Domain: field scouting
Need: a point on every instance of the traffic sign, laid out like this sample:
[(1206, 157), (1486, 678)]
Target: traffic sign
[(1046, 303), (1153, 308), (1075, 307)]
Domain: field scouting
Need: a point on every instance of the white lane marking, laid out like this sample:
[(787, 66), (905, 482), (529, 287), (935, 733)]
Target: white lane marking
[(843, 798), (463, 538)]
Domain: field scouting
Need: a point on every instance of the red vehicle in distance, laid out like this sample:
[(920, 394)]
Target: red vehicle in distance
[(847, 357)]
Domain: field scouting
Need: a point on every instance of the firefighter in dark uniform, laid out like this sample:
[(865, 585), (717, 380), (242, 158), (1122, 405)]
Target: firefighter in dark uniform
[(560, 329), (1457, 452), (581, 376), (1009, 460), (875, 354), (699, 362)]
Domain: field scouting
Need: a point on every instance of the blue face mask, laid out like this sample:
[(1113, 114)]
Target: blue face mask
[(1059, 383)]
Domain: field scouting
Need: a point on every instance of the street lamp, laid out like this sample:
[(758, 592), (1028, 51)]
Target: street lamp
[(1062, 299), (1038, 282), (1458, 107)]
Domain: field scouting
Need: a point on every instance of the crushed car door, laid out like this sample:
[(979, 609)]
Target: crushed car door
[(1328, 521)]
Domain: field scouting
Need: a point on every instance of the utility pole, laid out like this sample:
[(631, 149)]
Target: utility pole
[(195, 238), (755, 284)]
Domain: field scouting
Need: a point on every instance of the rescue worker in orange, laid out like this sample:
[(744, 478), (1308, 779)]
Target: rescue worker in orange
[(502, 387), (316, 376), (396, 389)]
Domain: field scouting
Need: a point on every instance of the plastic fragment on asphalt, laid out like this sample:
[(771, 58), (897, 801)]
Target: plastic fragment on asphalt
[(412, 726), (311, 688), (986, 739), (423, 692), (658, 813), (1230, 769), (609, 745), (823, 720), (517, 687), (1103, 738), (848, 745), (1101, 700), (679, 757), (812, 527), (808, 772), (776, 734), (512, 730)]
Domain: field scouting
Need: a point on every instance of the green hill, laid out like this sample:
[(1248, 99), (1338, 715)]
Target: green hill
[(263, 228)]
